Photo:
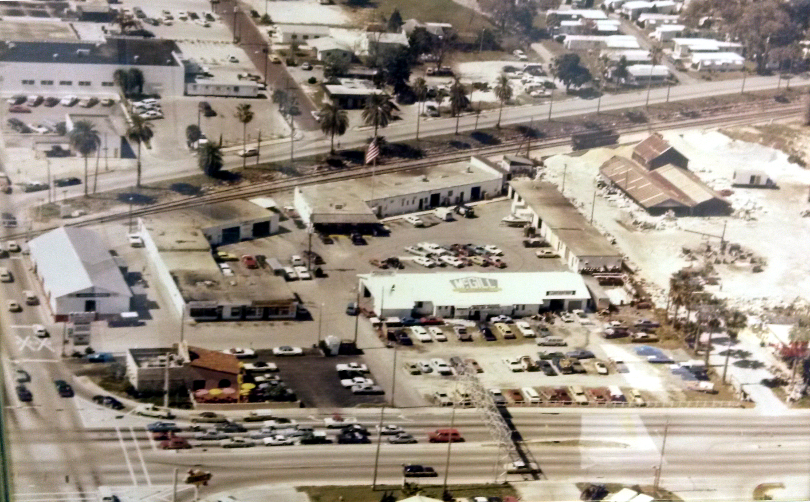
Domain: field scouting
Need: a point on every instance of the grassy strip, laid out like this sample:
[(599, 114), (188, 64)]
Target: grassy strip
[(366, 494)]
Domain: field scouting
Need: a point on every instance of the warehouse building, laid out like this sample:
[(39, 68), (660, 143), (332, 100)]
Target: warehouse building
[(362, 200), (78, 273), (57, 68), (556, 220), (666, 188), (474, 295), (655, 152), (178, 245)]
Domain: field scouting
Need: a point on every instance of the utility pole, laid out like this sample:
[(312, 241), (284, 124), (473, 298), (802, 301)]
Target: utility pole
[(309, 248), (379, 444), (593, 205), (565, 168), (661, 459), (550, 105), (728, 355), (745, 74), (320, 322), (174, 485), (50, 187), (166, 382), (259, 149)]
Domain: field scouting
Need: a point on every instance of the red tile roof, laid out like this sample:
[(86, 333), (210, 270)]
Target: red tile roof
[(213, 360)]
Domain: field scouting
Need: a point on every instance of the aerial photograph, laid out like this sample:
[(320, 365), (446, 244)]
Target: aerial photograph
[(404, 250)]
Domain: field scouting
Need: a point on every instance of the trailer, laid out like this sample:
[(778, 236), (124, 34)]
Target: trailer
[(593, 139)]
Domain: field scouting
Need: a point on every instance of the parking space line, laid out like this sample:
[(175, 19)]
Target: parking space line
[(126, 455), (140, 456)]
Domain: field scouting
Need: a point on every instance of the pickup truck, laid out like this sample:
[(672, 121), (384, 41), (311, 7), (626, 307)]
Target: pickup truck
[(150, 410)]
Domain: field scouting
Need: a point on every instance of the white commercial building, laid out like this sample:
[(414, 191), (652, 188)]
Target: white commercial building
[(78, 273), (717, 61), (474, 295), (286, 33), (232, 89), (328, 47), (584, 42), (77, 67), (357, 201)]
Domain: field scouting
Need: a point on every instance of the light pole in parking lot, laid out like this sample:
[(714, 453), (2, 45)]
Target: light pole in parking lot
[(449, 444)]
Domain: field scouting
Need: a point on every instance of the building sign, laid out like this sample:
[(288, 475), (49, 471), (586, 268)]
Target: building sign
[(560, 293), (93, 295), (475, 285)]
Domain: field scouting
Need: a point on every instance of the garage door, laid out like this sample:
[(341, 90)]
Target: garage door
[(230, 235), (261, 229)]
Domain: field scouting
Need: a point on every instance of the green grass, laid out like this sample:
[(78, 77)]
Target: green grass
[(366, 494)]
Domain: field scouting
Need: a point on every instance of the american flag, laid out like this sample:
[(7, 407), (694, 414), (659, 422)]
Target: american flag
[(372, 152)]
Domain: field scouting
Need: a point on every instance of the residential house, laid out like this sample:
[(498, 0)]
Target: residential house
[(286, 33), (717, 61), (327, 47), (643, 74)]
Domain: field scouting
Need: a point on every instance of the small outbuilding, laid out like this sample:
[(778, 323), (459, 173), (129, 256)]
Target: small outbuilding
[(752, 178)]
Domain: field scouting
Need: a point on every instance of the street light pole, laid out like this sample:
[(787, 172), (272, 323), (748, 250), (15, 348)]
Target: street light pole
[(661, 459), (449, 444), (379, 445)]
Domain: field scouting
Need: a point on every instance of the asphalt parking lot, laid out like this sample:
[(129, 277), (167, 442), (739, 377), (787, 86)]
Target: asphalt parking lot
[(315, 381)]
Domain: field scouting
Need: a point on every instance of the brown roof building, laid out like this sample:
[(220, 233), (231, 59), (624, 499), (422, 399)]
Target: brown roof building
[(655, 152)]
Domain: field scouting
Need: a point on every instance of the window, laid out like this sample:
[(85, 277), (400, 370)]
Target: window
[(197, 384), (46, 82), (84, 83), (449, 193), (224, 383), (306, 37), (294, 36), (28, 82), (65, 82), (107, 84)]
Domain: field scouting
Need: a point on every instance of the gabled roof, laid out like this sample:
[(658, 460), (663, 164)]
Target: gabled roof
[(654, 146), (213, 360), (687, 182), (71, 259)]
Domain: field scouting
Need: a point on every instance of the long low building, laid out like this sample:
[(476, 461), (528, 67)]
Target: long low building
[(179, 248), (362, 200), (577, 242), (474, 295)]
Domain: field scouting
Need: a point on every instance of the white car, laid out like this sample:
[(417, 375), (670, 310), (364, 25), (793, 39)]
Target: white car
[(452, 261), (227, 271), (391, 430), (39, 330), (13, 247), (135, 240), (513, 364), (441, 366), (432, 248), (437, 333), (525, 329), (351, 382), (520, 55), (425, 262), (296, 260), (150, 410), (280, 423), (493, 250), (261, 367), (250, 152), (233, 59), (421, 334), (68, 101), (302, 273), (338, 422), (601, 368), (286, 350), (567, 317), (278, 440), (415, 221), (240, 353), (424, 367), (362, 368)]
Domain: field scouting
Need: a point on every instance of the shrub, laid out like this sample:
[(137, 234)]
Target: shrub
[(312, 80)]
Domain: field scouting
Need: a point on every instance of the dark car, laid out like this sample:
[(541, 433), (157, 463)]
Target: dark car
[(22, 376), (418, 471), (486, 332), (352, 438), (409, 321), (546, 367), (50, 102), (66, 182), (354, 428), (358, 239), (231, 427), (35, 186), (325, 238), (394, 262), (403, 338), (311, 438), (23, 394), (351, 309), (580, 354), (63, 388), (163, 427), (315, 257)]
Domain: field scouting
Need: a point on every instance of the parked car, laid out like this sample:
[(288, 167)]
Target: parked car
[(163, 427), (601, 368), (497, 397), (240, 353), (286, 350), (402, 438), (418, 471), (23, 394), (249, 261), (525, 329), (175, 443), (65, 182), (208, 417)]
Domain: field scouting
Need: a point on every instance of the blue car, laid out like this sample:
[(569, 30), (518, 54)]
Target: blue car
[(100, 357), (163, 427)]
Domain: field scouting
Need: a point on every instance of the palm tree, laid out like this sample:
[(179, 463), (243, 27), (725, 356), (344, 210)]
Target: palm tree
[(140, 132), (121, 79), (244, 114), (420, 89), (458, 100), (210, 160), (333, 120), (85, 138), (503, 91), (136, 79), (193, 134), (378, 111)]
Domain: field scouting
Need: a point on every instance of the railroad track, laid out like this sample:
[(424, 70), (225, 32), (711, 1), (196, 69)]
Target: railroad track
[(264, 188)]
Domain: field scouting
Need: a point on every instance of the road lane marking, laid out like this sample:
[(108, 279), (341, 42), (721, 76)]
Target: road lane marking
[(33, 343), (151, 439), (140, 456), (126, 455)]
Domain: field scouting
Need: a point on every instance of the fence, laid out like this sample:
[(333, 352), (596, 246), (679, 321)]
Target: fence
[(654, 404)]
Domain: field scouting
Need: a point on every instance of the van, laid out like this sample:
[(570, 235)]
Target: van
[(578, 394), (415, 221), (616, 394), (504, 330), (444, 213), (551, 341), (30, 298), (530, 395), (5, 275), (275, 266), (289, 274), (445, 436)]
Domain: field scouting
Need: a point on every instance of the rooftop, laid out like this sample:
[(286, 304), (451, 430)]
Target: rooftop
[(563, 218), (716, 56), (653, 146), (646, 70), (18, 30), (466, 289), (213, 360), (115, 51), (257, 290), (155, 357), (354, 87)]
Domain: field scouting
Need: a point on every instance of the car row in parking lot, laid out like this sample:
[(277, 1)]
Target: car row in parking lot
[(568, 395), (431, 255)]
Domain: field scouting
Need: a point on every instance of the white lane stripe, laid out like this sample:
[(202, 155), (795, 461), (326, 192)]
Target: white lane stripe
[(126, 455), (151, 439), (140, 456)]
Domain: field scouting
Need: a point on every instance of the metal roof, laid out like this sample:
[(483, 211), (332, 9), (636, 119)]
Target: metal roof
[(115, 51), (652, 147), (689, 184), (71, 259)]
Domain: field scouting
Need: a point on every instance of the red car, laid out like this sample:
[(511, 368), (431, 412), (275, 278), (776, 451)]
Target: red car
[(19, 109), (495, 262), (162, 436), (249, 261), (428, 321), (175, 443)]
